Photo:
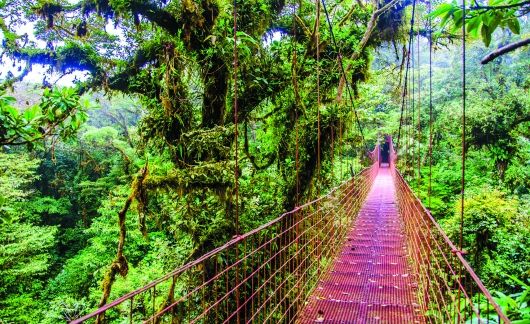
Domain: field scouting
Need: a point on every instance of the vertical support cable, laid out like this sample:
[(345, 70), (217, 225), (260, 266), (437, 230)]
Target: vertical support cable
[(332, 151), (413, 110), (419, 110), (429, 190), (406, 123), (340, 146), (430, 103), (317, 36), (236, 132), (354, 148), (463, 177), (297, 149), (405, 92), (296, 261), (236, 166), (317, 40), (412, 127)]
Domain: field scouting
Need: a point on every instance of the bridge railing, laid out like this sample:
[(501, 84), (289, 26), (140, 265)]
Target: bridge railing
[(262, 276), (449, 291)]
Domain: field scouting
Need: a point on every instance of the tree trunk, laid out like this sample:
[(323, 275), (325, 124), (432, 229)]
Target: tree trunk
[(215, 77)]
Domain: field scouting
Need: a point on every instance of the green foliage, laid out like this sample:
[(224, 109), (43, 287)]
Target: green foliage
[(517, 305), (495, 235), (24, 254), (61, 113), (16, 174), (25, 247), (481, 20)]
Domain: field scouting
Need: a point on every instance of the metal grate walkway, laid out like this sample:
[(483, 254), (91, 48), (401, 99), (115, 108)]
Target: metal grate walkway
[(371, 280)]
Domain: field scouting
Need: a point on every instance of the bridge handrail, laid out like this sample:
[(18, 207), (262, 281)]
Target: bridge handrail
[(454, 250)]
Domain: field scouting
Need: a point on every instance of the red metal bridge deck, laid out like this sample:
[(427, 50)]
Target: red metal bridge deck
[(371, 281)]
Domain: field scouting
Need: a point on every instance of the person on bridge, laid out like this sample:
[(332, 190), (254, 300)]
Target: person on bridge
[(385, 151)]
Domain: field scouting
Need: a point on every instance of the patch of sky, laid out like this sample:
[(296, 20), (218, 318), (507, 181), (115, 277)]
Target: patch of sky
[(38, 73)]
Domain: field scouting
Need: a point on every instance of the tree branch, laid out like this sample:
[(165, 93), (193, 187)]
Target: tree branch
[(503, 50), (514, 5), (120, 265), (156, 15), (364, 41), (370, 27)]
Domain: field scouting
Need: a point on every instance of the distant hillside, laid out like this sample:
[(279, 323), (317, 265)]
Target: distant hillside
[(27, 94), (119, 109)]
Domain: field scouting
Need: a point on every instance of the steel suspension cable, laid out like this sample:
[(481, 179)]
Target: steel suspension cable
[(236, 132), (341, 143), (296, 269), (332, 150), (353, 135), (236, 166), (406, 72), (406, 123), (419, 111), (429, 9), (410, 144), (295, 81), (463, 177), (343, 71), (317, 31)]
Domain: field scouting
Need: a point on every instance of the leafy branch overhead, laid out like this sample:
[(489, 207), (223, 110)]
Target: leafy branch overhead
[(60, 113), (482, 20)]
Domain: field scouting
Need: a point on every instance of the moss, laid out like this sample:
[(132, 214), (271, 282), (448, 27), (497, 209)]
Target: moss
[(72, 55), (389, 25), (207, 144), (216, 176), (120, 265), (48, 10), (78, 56)]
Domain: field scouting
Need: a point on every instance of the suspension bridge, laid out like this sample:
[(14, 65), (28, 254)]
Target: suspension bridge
[(366, 252)]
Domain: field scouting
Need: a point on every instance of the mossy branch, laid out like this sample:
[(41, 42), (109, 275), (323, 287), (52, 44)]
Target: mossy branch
[(120, 265), (216, 176), (370, 26)]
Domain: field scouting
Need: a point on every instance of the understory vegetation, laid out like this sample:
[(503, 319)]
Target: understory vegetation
[(128, 171)]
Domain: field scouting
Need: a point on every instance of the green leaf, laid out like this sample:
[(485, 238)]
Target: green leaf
[(486, 34), (497, 18), (473, 25), (6, 100), (487, 18), (457, 18), (12, 112), (445, 19), (519, 282), (32, 113), (441, 9), (523, 321), (513, 24)]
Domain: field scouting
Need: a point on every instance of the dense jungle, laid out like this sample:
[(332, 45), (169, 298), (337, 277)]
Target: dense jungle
[(124, 125)]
